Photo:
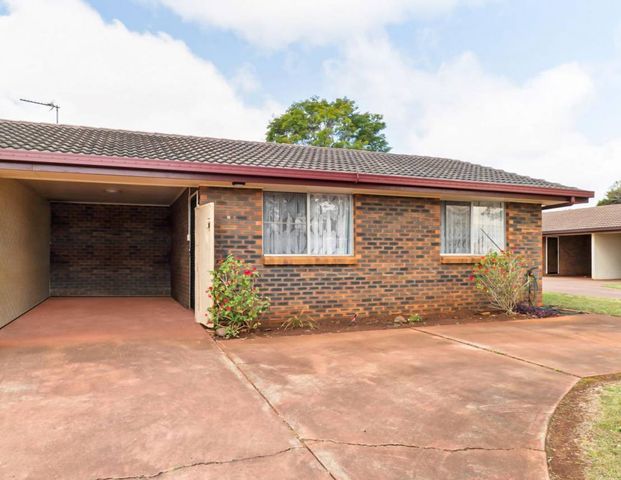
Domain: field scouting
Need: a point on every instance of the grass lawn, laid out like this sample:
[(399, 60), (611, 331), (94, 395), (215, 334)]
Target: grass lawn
[(602, 447), (608, 306), (613, 285)]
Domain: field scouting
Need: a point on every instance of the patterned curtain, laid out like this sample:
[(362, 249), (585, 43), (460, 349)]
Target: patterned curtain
[(488, 227), (286, 231), (330, 224), (456, 228), (284, 223)]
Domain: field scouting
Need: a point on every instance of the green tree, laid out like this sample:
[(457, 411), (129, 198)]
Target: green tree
[(337, 124), (613, 195)]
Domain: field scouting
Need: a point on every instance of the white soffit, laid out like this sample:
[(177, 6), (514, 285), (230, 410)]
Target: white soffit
[(104, 192)]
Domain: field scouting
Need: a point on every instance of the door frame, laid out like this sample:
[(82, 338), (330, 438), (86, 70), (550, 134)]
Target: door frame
[(193, 201)]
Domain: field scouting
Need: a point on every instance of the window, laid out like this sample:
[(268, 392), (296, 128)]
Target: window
[(307, 224), (472, 228)]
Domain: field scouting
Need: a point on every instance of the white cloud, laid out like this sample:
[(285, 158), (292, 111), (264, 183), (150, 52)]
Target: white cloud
[(278, 23), (103, 74), (245, 79), (463, 112)]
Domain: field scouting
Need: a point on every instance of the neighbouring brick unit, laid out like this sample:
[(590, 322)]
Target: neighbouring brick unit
[(180, 251), (397, 242), (109, 250)]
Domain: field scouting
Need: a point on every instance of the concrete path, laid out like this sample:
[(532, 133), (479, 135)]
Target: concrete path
[(451, 402), (582, 286), (132, 388), (407, 404), (581, 345)]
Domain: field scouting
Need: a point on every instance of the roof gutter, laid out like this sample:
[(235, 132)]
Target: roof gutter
[(571, 202), (585, 231), (132, 163)]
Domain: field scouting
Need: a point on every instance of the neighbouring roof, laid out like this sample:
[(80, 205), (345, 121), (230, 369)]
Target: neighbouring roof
[(67, 139), (594, 219)]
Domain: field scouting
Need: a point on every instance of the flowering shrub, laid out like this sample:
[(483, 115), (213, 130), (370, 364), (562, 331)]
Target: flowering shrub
[(502, 276), (236, 304)]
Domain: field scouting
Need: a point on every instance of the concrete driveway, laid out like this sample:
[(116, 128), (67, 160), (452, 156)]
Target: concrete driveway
[(132, 388), (582, 286)]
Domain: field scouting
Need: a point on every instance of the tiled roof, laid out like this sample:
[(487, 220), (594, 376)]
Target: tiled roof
[(44, 137), (606, 217)]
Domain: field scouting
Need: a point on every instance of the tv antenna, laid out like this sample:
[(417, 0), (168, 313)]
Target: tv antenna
[(52, 105)]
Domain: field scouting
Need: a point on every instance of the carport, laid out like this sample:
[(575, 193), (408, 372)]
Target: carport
[(568, 255), (94, 237)]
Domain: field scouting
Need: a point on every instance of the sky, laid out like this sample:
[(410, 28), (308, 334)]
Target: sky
[(527, 86)]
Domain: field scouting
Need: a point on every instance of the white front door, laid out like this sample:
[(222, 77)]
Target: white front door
[(203, 260)]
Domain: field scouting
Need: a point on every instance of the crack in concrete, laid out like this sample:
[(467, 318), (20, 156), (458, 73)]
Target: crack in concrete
[(303, 441), (199, 464), (424, 447), (490, 350), (274, 409)]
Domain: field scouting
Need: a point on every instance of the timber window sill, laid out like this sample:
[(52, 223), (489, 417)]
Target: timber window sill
[(309, 260), (451, 259)]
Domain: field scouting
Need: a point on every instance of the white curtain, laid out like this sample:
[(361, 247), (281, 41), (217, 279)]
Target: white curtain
[(456, 234), (330, 224), (473, 227), (488, 232), (287, 231), (284, 223)]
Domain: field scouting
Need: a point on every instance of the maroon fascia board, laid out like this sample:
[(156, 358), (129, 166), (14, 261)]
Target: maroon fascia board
[(132, 163), (233, 179)]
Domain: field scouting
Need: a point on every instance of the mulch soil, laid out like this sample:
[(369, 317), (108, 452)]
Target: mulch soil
[(565, 430), (370, 323)]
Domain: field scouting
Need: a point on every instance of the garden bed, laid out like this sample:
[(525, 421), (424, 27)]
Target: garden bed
[(583, 435), (374, 323)]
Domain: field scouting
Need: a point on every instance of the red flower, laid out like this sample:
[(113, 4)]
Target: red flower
[(247, 272), (228, 309), (471, 278)]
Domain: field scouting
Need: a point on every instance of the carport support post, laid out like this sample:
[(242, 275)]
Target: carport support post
[(204, 260), (593, 273)]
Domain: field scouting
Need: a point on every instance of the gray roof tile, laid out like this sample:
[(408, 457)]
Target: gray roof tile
[(607, 217), (45, 137)]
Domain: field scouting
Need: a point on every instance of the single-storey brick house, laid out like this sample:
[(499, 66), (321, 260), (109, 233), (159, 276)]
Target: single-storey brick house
[(91, 211), (583, 242)]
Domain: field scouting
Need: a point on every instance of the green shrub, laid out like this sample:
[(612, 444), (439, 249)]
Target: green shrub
[(502, 276), (231, 331), (237, 305), (415, 318)]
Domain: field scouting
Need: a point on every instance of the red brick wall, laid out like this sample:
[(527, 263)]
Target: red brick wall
[(180, 253), (523, 236), (397, 240), (109, 250)]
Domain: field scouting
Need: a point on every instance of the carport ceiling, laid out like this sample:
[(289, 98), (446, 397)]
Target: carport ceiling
[(104, 192)]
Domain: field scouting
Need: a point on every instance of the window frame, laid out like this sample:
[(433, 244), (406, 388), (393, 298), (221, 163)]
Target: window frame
[(471, 204), (309, 255)]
